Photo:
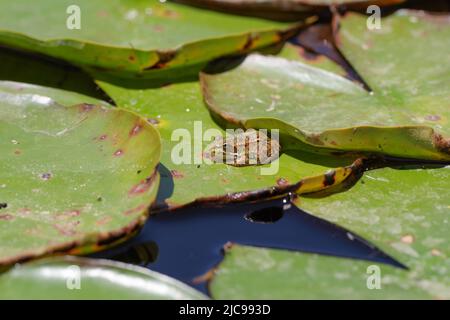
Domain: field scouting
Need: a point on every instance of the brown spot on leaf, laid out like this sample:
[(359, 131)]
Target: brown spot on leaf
[(436, 252), (164, 57), (67, 229), (103, 221), (248, 43), (170, 14), (118, 153), (103, 137), (141, 187), (138, 209), (177, 174), (68, 214), (329, 178), (135, 130), (282, 182), (17, 152), (441, 143), (408, 239), (73, 213), (131, 58), (314, 139), (433, 117), (86, 107), (6, 217)]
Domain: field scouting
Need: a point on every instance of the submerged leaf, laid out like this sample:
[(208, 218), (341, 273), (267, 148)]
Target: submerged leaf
[(71, 177)]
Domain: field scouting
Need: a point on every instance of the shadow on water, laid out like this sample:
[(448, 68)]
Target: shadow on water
[(166, 185), (186, 244)]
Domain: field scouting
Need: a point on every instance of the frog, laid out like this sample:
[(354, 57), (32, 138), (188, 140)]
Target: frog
[(246, 148)]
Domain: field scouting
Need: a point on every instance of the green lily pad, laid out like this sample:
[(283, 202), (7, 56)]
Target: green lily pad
[(81, 278), (257, 273), (132, 38), (75, 177), (406, 213), (180, 107), (406, 116)]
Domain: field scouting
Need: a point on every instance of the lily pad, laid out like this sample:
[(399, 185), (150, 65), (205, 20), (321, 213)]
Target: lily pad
[(132, 38), (257, 273), (81, 278), (406, 213), (180, 107), (405, 116), (76, 173)]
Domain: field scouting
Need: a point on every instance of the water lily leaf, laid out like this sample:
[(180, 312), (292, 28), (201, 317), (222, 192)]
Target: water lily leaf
[(75, 177), (132, 38), (404, 212), (81, 278), (180, 107), (406, 116), (257, 273), (283, 9)]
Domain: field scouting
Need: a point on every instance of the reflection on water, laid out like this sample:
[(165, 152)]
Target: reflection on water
[(187, 243)]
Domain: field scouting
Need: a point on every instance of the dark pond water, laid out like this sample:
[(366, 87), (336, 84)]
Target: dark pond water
[(187, 243)]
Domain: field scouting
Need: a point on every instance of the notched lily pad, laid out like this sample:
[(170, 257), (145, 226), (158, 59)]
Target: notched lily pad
[(405, 116), (405, 213), (132, 39), (81, 278), (75, 177)]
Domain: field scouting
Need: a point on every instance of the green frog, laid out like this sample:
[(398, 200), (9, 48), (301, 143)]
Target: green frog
[(246, 148)]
